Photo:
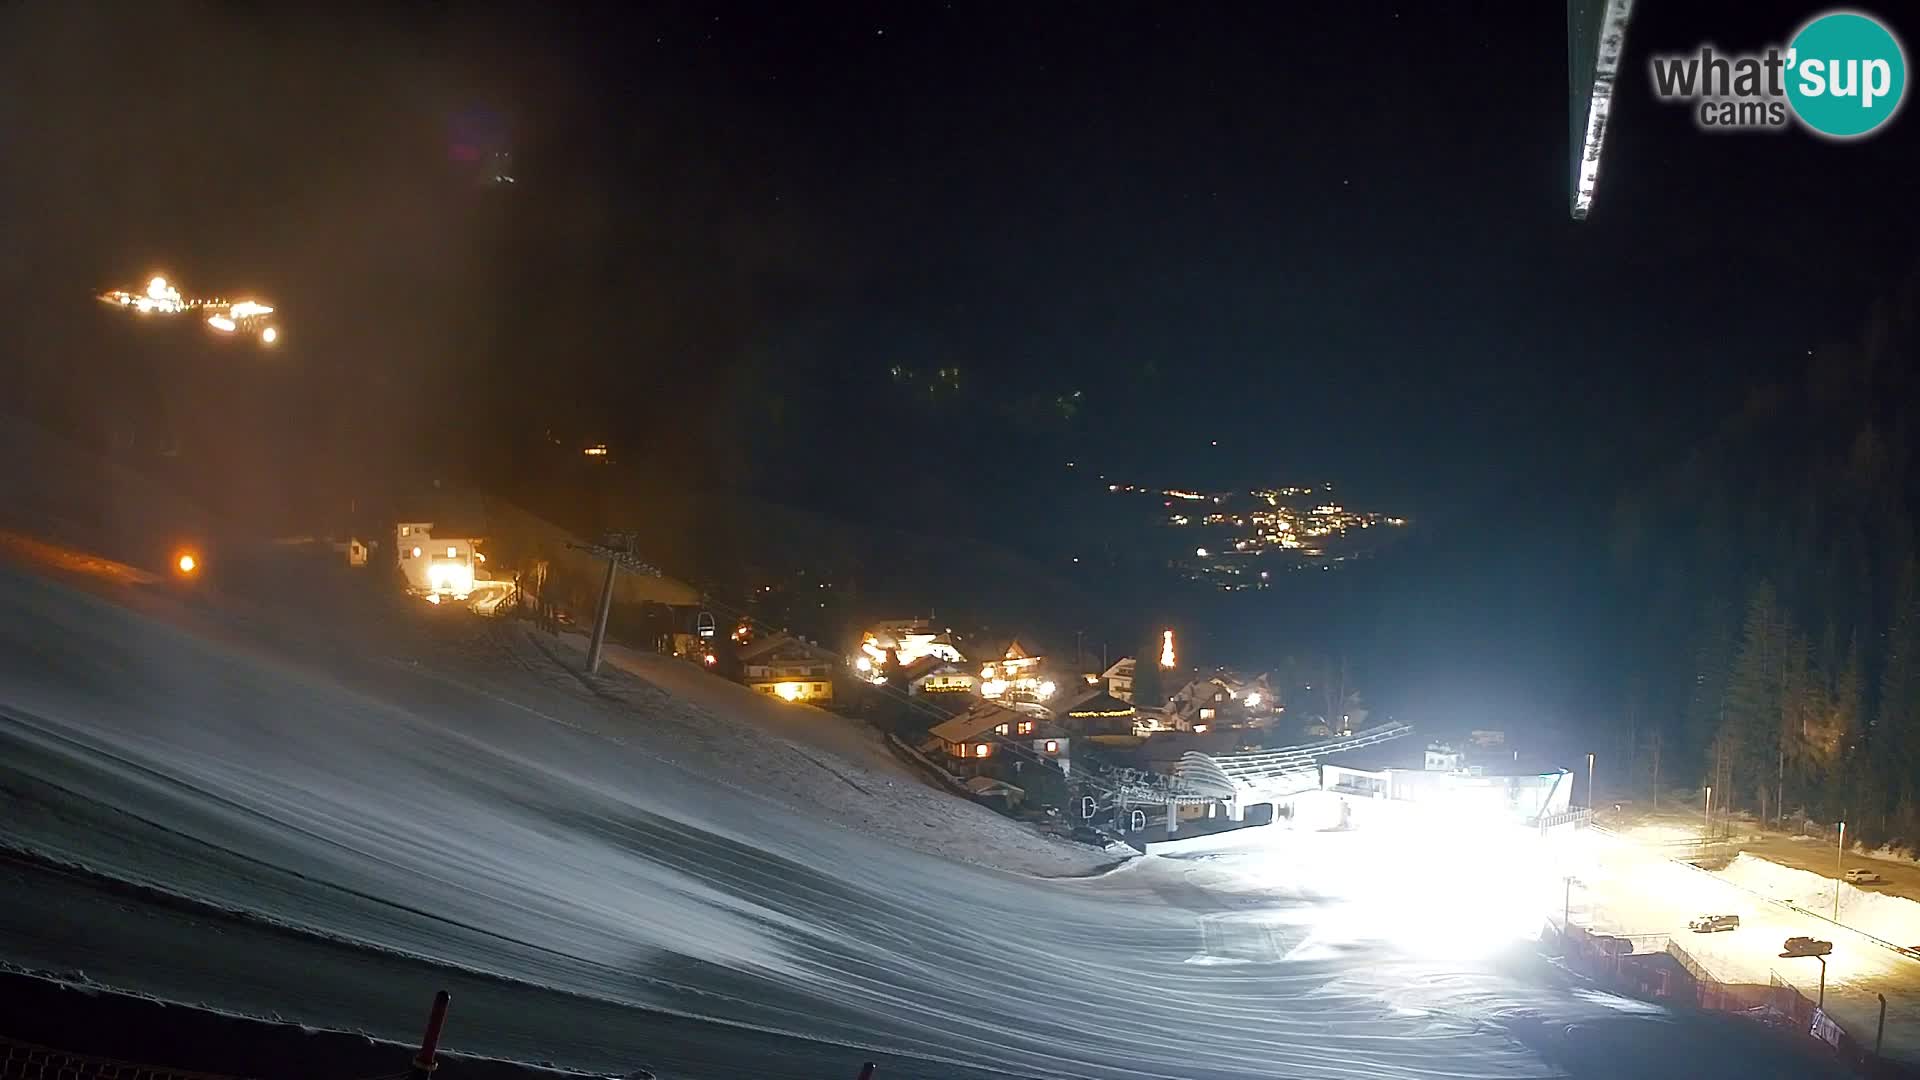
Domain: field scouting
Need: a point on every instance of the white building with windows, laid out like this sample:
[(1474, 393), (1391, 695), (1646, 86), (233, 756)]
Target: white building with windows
[(436, 567), (789, 668)]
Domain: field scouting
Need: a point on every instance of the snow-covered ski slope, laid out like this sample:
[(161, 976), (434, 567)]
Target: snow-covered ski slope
[(405, 788)]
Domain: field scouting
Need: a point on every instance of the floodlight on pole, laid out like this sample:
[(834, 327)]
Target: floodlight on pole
[(1839, 856)]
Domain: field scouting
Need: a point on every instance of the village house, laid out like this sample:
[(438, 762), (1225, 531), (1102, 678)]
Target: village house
[(789, 668), (1095, 711), (934, 676), (1203, 705), (909, 640), (1017, 676), (976, 740), (1119, 679)]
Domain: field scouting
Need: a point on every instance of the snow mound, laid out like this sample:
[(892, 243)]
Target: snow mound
[(1889, 918)]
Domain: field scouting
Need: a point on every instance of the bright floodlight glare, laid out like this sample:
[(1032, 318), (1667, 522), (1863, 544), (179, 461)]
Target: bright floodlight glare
[(270, 335), (222, 323), (454, 577), (247, 309), (1482, 882), (1253, 700), (187, 563)]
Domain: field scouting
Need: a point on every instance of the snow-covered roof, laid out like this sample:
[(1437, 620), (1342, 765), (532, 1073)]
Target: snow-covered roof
[(976, 721), (987, 785), (1098, 704), (785, 645)]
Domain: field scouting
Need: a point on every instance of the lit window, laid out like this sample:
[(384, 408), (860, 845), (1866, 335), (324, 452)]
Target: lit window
[(1206, 714), (1026, 727), (981, 750), (450, 552), (406, 530), (416, 553), (1000, 730), (1053, 746)]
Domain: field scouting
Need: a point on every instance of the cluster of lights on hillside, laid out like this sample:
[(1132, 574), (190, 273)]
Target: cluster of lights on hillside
[(1302, 525), (161, 297)]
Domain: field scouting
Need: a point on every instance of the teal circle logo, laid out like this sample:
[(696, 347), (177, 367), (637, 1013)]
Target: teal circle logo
[(1846, 74)]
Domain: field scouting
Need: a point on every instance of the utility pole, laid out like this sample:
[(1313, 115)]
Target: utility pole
[(1839, 855), (1780, 788), (617, 549)]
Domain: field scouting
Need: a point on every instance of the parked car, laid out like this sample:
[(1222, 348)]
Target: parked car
[(1805, 946), (1713, 924), (1864, 877)]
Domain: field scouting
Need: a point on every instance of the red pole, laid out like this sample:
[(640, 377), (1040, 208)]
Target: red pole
[(424, 1064)]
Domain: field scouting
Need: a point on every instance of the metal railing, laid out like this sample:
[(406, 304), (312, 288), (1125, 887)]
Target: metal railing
[(1284, 771)]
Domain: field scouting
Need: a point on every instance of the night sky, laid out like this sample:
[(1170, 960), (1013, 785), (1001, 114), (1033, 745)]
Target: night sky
[(1333, 239)]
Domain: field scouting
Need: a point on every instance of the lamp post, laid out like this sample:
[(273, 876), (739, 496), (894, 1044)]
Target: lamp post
[(1566, 910), (1589, 782), (1706, 832), (1818, 950), (1839, 854)]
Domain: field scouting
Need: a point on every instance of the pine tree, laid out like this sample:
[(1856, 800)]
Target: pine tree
[(1895, 739), (1849, 701), (1755, 699), (1801, 726), (1841, 782), (1149, 681), (1707, 694)]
